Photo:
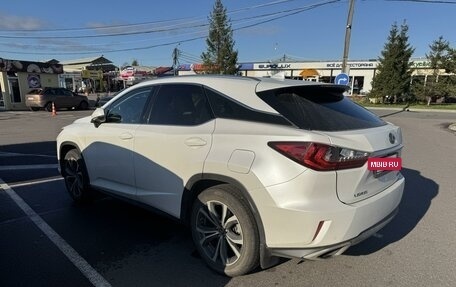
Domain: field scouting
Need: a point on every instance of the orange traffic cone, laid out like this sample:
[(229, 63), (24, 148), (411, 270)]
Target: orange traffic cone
[(54, 113)]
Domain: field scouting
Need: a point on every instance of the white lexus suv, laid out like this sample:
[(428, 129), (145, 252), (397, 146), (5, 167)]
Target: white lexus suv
[(258, 168)]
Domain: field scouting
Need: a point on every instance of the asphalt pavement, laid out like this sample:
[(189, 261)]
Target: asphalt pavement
[(47, 240)]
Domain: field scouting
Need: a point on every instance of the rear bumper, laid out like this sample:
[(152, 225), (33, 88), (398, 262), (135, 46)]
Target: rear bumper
[(335, 249), (315, 223), (35, 104)]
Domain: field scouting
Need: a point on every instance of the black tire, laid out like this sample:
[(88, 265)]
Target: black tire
[(83, 105), (48, 107), (34, 109), (76, 178), (227, 241)]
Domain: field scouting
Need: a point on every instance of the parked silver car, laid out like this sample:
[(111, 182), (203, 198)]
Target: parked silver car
[(62, 98)]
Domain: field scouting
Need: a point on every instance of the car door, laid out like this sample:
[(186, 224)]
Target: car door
[(109, 148), (50, 96), (173, 146), (62, 99)]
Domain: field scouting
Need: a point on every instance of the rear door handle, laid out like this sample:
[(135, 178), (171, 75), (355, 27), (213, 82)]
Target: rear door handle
[(194, 142)]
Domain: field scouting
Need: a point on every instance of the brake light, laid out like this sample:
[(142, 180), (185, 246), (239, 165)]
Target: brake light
[(319, 156)]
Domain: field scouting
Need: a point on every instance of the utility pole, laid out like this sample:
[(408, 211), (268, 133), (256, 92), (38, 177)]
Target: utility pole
[(176, 54), (347, 36)]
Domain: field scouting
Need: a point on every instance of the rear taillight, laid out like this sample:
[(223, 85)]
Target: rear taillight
[(319, 156)]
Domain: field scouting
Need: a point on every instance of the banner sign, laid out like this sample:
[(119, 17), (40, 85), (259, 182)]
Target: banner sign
[(34, 81), (29, 67)]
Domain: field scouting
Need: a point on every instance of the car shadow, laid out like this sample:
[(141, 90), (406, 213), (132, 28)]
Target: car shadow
[(135, 246), (129, 246), (416, 200), (37, 148), (132, 246)]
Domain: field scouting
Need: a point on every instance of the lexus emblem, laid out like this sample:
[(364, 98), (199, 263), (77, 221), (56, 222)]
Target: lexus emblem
[(392, 138)]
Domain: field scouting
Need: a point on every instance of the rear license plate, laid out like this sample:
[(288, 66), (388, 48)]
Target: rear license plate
[(383, 165)]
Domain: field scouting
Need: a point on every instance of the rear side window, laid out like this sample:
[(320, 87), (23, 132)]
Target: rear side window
[(49, 92), (322, 108), (66, 93), (224, 107), (35, 92)]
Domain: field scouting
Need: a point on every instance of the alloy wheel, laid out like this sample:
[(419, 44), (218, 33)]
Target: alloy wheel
[(74, 177), (220, 233)]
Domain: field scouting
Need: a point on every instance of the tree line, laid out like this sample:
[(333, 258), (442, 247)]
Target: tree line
[(393, 81)]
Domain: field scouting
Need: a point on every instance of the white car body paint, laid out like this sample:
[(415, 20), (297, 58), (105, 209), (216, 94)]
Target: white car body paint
[(152, 164)]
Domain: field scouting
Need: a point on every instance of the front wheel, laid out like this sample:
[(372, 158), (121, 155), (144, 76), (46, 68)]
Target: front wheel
[(76, 178), (83, 105), (224, 231), (48, 107)]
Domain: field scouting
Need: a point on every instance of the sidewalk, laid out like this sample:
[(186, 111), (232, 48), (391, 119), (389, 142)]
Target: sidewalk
[(411, 109)]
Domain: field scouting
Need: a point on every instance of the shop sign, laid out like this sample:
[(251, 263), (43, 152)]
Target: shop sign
[(274, 66), (34, 81), (92, 74), (29, 67), (420, 64), (365, 65)]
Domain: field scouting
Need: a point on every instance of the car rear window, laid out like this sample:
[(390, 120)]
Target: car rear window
[(318, 107), (35, 92)]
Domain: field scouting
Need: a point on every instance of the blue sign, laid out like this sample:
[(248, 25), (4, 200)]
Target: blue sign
[(342, 79)]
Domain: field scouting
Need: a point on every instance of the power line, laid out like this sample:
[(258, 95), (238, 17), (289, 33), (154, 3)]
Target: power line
[(104, 35), (425, 1), (189, 57), (166, 28), (145, 23), (287, 13)]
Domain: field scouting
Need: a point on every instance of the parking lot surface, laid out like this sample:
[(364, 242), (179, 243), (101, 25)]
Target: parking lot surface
[(47, 240)]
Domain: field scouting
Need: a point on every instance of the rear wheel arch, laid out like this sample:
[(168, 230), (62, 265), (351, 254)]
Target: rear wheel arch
[(199, 183)]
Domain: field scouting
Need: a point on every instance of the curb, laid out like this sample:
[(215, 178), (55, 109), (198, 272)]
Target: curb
[(411, 110)]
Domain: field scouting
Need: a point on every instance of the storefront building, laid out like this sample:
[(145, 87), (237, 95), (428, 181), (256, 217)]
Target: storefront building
[(17, 78), (94, 74), (361, 73)]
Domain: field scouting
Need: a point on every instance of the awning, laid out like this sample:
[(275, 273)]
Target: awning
[(162, 70), (309, 73)]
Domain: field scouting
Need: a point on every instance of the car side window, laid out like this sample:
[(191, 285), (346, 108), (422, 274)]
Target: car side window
[(130, 107), (66, 93), (180, 104), (49, 92), (224, 107)]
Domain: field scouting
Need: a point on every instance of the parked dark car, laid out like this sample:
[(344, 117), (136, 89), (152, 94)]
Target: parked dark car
[(62, 98), (103, 100)]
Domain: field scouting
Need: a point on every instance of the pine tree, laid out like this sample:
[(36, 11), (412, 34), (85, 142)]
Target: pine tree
[(442, 59), (393, 75), (220, 56)]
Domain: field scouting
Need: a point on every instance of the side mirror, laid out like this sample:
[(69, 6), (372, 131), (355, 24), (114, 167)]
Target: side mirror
[(98, 117)]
